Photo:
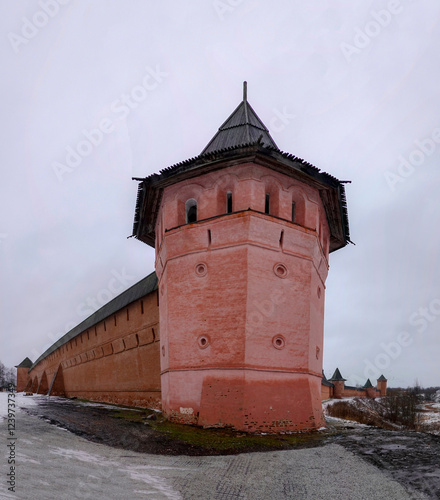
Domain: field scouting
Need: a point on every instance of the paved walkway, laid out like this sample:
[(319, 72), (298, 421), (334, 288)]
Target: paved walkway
[(55, 464)]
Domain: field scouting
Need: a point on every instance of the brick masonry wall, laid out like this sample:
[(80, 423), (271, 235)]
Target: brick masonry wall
[(242, 301), (117, 360)]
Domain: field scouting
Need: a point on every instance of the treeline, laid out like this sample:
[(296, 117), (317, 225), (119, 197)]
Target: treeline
[(7, 375), (423, 394)]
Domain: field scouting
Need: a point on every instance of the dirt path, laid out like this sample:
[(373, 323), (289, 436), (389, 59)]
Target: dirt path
[(133, 429)]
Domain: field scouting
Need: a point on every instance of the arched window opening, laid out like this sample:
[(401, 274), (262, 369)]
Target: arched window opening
[(267, 204), (229, 202), (191, 211), (299, 208)]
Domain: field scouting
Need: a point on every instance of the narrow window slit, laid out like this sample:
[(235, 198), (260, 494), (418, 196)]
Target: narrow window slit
[(267, 204), (293, 212), (229, 202), (191, 211), (281, 239), (209, 237)]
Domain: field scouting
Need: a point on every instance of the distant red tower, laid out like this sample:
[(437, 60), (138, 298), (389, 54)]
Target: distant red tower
[(22, 374), (382, 385), (242, 236), (338, 382)]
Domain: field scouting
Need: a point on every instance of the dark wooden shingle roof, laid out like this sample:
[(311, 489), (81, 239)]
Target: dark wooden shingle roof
[(26, 363), (135, 292), (242, 127), (337, 376), (243, 138)]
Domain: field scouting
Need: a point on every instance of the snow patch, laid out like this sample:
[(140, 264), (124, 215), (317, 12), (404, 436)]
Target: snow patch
[(156, 484), (79, 455)]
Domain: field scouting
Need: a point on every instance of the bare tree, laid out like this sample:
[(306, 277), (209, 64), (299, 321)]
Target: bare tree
[(2, 374), (7, 375)]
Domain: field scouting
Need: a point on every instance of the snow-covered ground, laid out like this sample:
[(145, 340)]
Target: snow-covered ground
[(18, 399), (429, 413), (22, 401), (430, 418)]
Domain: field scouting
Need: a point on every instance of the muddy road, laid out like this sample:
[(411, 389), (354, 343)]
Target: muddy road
[(411, 458)]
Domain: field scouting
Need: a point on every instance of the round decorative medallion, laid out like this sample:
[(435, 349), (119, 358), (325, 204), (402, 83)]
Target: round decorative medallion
[(279, 342), (201, 269), (203, 341), (280, 270)]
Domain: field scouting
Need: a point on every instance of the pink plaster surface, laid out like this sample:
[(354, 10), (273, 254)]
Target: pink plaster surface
[(240, 345)]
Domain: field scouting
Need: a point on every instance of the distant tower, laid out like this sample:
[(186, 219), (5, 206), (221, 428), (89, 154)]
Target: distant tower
[(370, 389), (22, 374), (242, 235), (339, 382), (382, 385)]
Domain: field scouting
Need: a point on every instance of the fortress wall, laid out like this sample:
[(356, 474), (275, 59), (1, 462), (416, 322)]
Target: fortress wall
[(22, 379), (326, 392), (349, 393), (116, 360)]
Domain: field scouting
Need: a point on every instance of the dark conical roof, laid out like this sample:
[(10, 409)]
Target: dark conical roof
[(242, 138), (381, 379), (26, 363), (324, 380), (368, 384), (337, 376), (242, 127)]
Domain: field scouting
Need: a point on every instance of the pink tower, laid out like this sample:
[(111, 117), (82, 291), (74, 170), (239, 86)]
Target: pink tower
[(242, 235)]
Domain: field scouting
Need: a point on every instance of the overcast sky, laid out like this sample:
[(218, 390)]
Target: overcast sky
[(95, 92)]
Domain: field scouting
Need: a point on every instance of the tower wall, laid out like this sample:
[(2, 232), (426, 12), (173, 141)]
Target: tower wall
[(382, 387), (338, 391), (22, 378), (242, 301)]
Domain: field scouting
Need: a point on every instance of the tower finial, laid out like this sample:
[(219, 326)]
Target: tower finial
[(245, 91)]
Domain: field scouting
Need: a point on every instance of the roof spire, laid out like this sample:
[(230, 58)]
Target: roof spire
[(243, 127)]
